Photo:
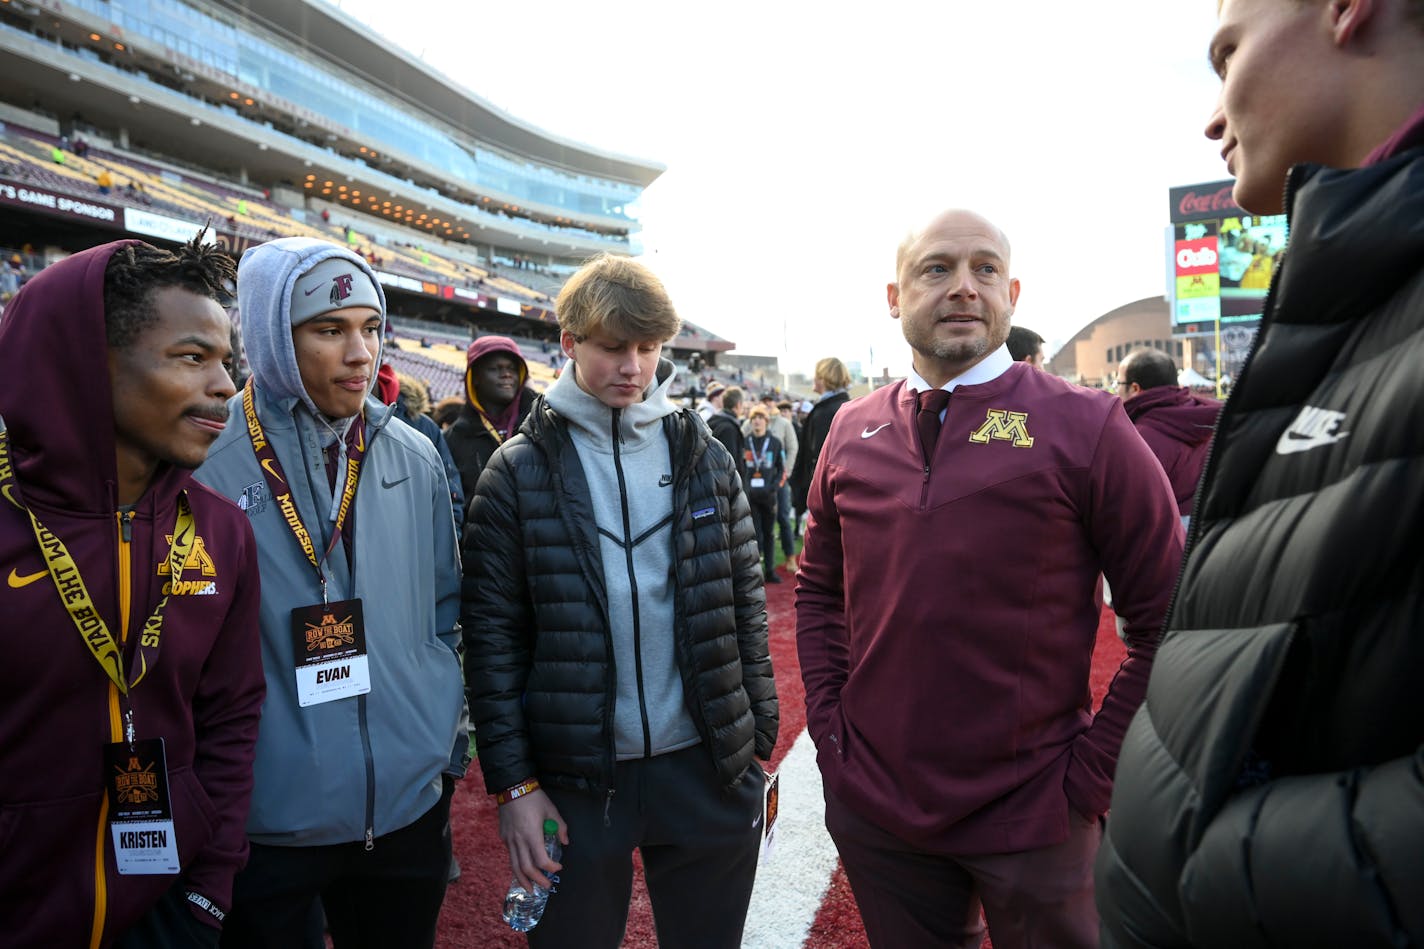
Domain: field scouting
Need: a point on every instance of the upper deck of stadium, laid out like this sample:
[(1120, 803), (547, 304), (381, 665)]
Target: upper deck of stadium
[(291, 91)]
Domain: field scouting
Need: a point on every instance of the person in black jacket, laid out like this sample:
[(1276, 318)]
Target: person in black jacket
[(725, 424), (1270, 791), (497, 399), (764, 472), (831, 380), (615, 621)]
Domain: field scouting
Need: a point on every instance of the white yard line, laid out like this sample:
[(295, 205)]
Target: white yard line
[(792, 883)]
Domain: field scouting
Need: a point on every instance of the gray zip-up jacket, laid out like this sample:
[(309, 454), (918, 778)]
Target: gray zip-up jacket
[(343, 770), (354, 768)]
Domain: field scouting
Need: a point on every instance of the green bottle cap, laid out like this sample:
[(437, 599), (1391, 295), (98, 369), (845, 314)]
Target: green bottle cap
[(551, 826)]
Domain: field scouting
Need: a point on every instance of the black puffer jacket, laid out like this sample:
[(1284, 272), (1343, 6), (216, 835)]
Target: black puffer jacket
[(539, 654), (1270, 791)]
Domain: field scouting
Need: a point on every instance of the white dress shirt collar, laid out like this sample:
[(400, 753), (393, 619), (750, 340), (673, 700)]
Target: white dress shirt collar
[(987, 369)]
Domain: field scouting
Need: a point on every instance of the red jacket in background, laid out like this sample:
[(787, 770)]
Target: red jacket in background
[(1177, 425), (58, 884), (946, 622)]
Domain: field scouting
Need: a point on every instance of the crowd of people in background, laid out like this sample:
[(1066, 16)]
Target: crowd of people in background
[(263, 620)]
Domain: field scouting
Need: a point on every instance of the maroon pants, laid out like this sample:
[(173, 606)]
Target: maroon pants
[(1034, 899)]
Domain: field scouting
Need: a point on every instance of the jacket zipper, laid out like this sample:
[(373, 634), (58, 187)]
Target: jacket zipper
[(633, 586), (610, 694), (361, 716), (116, 731), (1209, 466), (370, 773)]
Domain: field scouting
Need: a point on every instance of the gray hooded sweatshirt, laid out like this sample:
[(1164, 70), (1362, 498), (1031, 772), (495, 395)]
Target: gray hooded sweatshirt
[(627, 476), (360, 767)]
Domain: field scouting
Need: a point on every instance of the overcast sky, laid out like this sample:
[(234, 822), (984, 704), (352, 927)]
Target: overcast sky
[(803, 139)]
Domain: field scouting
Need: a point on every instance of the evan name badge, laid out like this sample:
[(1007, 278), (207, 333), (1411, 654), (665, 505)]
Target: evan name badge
[(140, 813), (329, 643)]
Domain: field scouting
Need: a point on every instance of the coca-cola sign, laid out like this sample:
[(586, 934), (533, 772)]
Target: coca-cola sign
[(1204, 201)]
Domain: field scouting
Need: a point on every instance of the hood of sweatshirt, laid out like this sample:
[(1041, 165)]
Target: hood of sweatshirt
[(265, 280), (483, 347), (1176, 412), (55, 392), (1407, 136), (638, 424)]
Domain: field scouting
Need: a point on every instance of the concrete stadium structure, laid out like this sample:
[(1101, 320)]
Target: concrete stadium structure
[(293, 107)]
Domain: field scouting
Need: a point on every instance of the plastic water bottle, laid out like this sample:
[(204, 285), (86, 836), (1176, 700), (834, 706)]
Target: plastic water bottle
[(522, 909)]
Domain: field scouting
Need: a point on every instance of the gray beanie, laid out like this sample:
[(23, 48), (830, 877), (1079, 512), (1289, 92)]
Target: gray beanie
[(334, 284)]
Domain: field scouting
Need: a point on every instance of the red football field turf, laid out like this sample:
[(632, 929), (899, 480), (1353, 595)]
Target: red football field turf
[(470, 918)]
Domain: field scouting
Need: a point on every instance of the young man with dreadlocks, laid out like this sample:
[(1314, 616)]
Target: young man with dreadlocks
[(131, 673)]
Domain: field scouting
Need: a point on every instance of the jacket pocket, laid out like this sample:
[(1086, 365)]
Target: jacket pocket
[(194, 817), (47, 875)]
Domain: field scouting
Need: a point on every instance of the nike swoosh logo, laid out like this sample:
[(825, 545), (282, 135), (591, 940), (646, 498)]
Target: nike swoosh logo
[(756, 821), (871, 431), (307, 293), (1292, 442), (392, 484), (18, 581), (267, 466)]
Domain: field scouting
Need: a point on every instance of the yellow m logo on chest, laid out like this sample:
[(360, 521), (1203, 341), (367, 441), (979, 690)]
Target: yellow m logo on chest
[(1005, 426)]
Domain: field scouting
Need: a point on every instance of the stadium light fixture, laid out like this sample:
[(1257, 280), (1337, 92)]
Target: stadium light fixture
[(95, 37), (120, 47)]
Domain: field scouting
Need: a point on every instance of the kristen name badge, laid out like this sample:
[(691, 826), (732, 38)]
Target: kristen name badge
[(329, 643), (140, 814)]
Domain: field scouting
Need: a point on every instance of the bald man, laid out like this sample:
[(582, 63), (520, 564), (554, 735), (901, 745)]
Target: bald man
[(947, 613)]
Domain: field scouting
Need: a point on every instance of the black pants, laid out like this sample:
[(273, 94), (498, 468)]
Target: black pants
[(384, 897), (699, 845), (764, 523)]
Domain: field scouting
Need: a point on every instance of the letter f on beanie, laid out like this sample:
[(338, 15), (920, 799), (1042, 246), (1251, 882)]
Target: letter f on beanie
[(334, 284)]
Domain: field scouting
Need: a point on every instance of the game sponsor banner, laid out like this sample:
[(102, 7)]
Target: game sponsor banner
[(399, 282), (174, 229), (47, 201)]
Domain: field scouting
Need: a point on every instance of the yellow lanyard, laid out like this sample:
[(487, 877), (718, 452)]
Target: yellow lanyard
[(277, 482), (67, 580)]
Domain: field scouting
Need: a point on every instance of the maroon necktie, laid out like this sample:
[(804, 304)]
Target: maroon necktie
[(932, 402)]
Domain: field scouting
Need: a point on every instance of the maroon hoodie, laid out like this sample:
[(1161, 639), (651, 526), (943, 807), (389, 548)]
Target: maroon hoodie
[(58, 884), (1177, 425), (946, 620)]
